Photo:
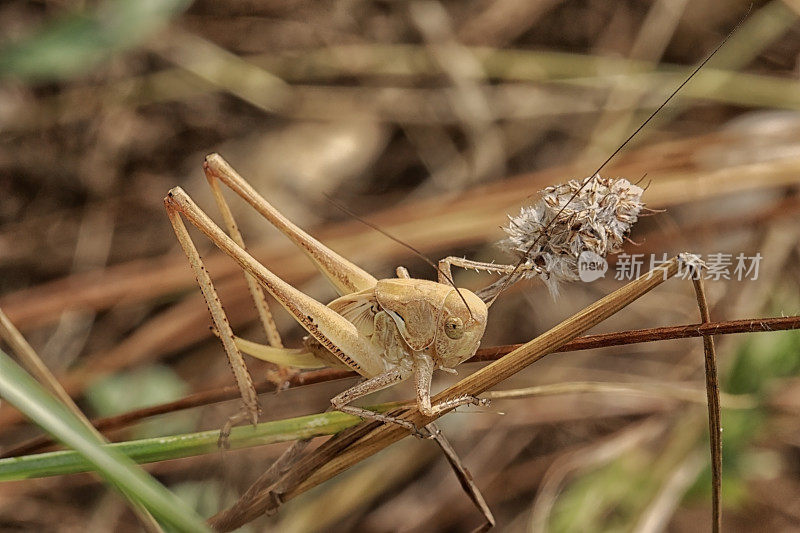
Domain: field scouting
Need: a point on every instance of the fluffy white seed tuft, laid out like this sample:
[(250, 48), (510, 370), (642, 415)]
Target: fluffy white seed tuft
[(598, 219)]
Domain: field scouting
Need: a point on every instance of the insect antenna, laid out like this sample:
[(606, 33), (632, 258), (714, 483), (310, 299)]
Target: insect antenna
[(509, 277), (404, 244)]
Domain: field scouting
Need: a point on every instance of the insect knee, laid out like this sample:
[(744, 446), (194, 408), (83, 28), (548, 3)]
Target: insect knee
[(427, 410)]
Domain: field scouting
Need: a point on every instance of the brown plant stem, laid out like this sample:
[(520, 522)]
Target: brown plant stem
[(714, 422), (492, 353)]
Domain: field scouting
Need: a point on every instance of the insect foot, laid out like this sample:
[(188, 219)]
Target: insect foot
[(223, 441), (429, 432), (424, 433), (481, 402), (281, 377), (473, 400)]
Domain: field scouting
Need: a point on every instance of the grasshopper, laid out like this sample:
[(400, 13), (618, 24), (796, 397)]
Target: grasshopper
[(386, 330)]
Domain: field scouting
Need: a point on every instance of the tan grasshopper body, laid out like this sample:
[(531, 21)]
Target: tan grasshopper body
[(386, 330), (413, 326), (402, 317)]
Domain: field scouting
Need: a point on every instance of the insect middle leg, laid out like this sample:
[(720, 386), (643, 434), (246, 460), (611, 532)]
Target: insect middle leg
[(422, 370), (373, 384)]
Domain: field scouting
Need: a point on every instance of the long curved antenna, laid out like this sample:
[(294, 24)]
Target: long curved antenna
[(586, 181), (402, 243)]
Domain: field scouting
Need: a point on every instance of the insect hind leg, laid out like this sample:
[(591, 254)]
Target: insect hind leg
[(278, 374), (218, 316), (329, 328), (345, 276)]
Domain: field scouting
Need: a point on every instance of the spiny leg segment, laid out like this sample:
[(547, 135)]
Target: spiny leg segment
[(220, 320), (373, 384), (487, 293)]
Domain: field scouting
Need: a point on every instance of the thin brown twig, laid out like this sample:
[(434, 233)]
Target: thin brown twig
[(714, 423), (464, 478), (492, 353), (636, 336)]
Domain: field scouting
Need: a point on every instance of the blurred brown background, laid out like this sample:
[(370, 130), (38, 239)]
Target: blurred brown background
[(434, 120)]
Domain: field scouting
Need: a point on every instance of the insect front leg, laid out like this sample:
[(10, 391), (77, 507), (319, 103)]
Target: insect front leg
[(488, 293), (423, 376), (446, 265)]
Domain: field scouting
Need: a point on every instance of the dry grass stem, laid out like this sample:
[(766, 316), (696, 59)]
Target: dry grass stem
[(675, 391), (31, 361), (714, 422)]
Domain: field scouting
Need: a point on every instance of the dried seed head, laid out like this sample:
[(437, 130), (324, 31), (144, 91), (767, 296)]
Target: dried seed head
[(597, 219)]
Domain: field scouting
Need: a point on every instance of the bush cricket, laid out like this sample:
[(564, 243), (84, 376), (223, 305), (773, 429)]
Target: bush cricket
[(386, 330)]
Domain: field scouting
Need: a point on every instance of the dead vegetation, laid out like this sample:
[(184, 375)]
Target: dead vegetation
[(434, 120)]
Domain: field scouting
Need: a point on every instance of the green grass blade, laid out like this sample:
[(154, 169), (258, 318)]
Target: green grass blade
[(22, 391), (178, 446)]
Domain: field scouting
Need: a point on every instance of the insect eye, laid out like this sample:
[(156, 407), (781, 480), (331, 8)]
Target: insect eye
[(454, 328)]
